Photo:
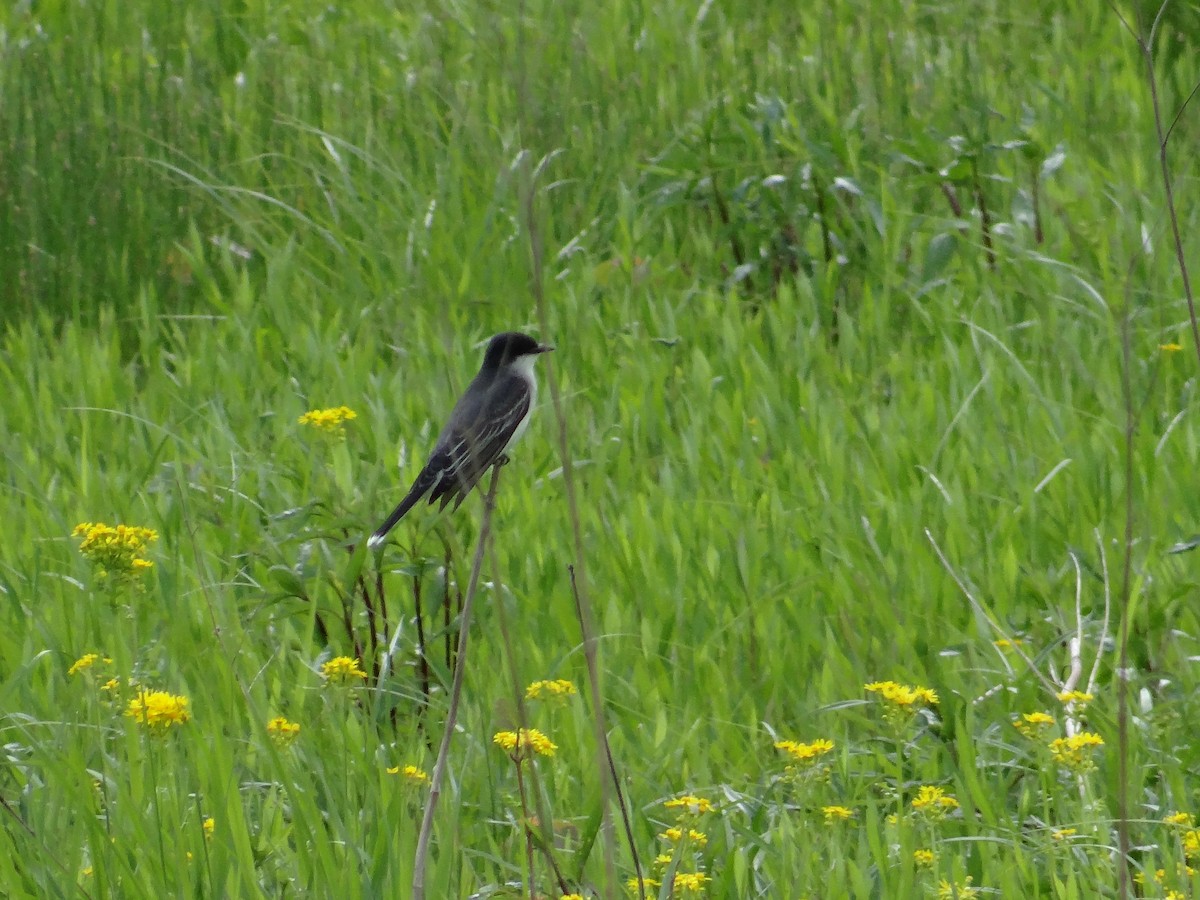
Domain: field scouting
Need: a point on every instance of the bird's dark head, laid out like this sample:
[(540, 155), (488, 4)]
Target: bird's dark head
[(510, 346)]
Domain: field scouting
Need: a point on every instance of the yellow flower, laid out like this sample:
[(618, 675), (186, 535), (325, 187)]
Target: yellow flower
[(663, 860), (1191, 843), (342, 670), (115, 551), (693, 882), (690, 804), (282, 731), (891, 692), (209, 825), (86, 872), (901, 701), (559, 689), (836, 814), (926, 696), (159, 710), (524, 742), (647, 884), (676, 834), (84, 662), (1080, 697), (806, 753), (1075, 753), (933, 802), (1182, 819), (1061, 834), (412, 774), (572, 897), (331, 421), (923, 858), (1170, 348), (1160, 875), (111, 685), (1033, 725), (1006, 644), (964, 891)]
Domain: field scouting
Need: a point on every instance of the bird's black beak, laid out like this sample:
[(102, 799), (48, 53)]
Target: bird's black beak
[(544, 348)]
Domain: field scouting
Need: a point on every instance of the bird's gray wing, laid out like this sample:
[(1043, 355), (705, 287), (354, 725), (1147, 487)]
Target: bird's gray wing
[(474, 438)]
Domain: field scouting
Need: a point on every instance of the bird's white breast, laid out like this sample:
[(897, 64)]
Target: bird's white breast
[(523, 367)]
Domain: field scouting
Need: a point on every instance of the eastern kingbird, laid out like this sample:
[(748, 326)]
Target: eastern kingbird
[(487, 419)]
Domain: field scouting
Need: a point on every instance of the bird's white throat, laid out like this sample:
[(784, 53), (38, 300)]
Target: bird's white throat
[(523, 366)]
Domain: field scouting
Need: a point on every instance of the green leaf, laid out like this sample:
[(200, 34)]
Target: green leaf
[(938, 253)]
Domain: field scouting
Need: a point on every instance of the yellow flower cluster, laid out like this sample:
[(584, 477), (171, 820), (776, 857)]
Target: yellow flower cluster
[(647, 884), (690, 883), (964, 891), (86, 661), (523, 743), (115, 551), (805, 763), (159, 711), (1160, 875), (836, 814), (805, 753), (1181, 819), (342, 670), (689, 804), (901, 701), (923, 858), (1075, 753), (331, 421), (209, 825), (933, 802), (282, 731), (1191, 843), (1034, 725), (902, 695), (1061, 834), (686, 841), (558, 689), (684, 883), (1079, 698), (411, 774), (676, 835)]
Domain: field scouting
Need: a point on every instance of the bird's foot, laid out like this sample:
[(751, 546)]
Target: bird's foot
[(502, 460)]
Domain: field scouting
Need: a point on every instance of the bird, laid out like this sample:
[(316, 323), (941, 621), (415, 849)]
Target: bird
[(487, 420)]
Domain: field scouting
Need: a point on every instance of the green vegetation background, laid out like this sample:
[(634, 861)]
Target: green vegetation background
[(821, 278)]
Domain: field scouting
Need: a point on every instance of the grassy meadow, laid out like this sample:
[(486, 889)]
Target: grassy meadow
[(855, 306)]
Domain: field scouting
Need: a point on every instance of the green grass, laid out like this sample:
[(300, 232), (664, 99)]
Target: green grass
[(784, 360)]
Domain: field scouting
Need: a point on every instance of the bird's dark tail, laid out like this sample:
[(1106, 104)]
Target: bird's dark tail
[(380, 534)]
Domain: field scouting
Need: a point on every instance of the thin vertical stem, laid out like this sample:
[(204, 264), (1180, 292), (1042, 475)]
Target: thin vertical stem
[(464, 631), (525, 829)]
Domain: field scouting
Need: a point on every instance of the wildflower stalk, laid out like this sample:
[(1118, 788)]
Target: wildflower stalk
[(605, 767), (545, 840), (464, 631), (525, 815), (589, 652)]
